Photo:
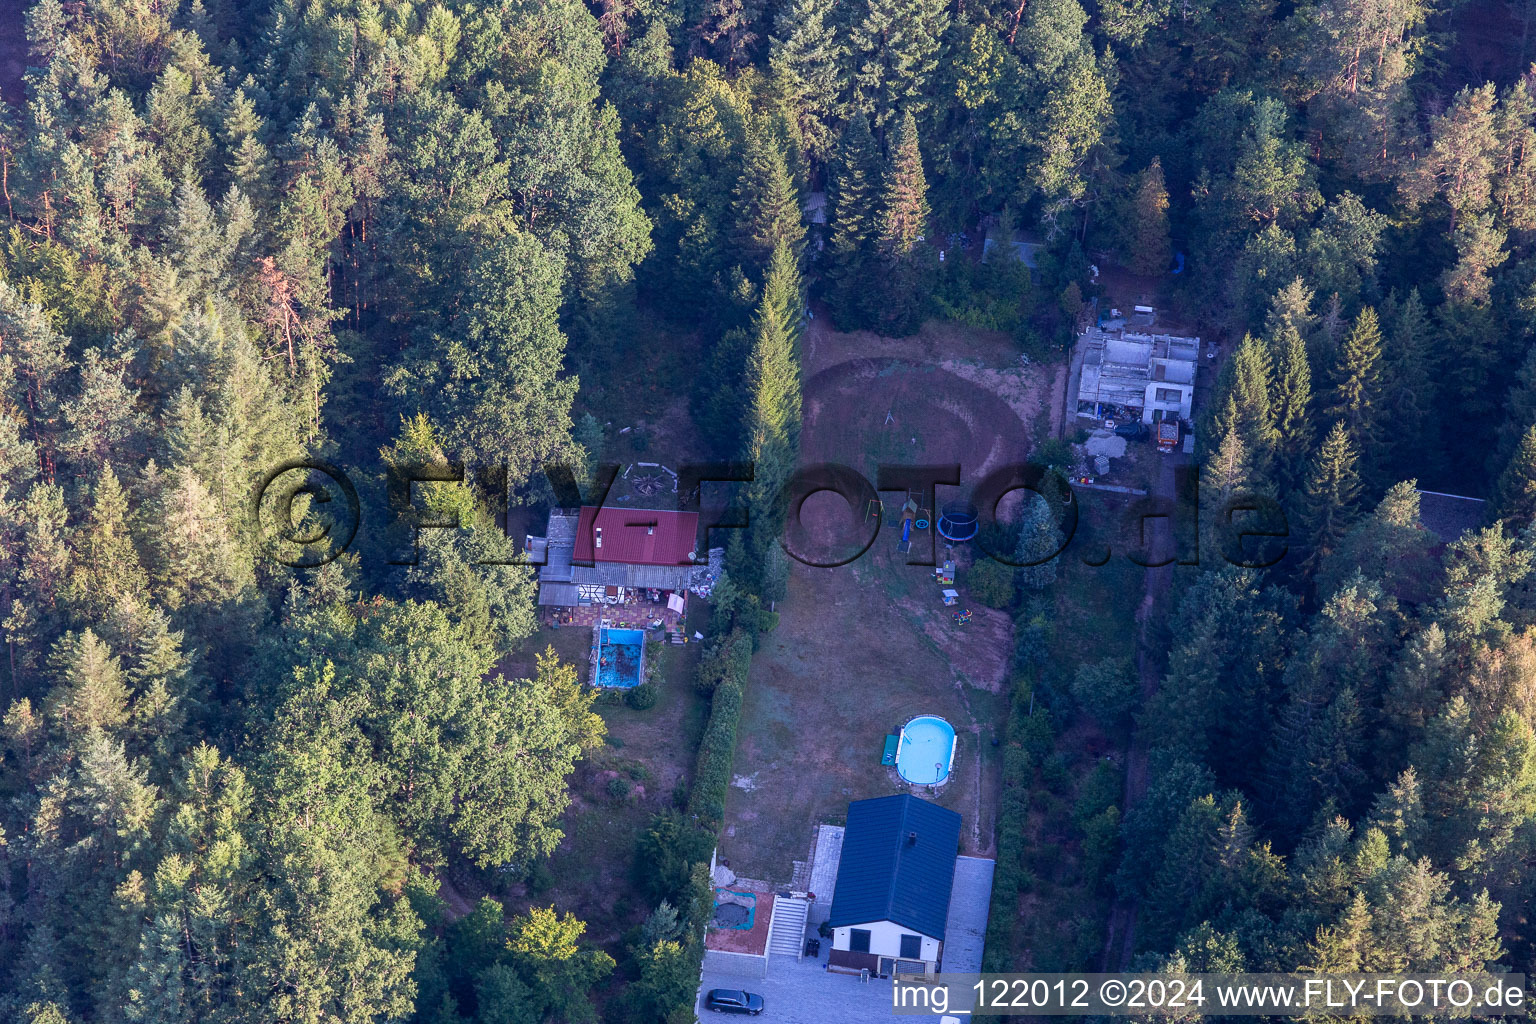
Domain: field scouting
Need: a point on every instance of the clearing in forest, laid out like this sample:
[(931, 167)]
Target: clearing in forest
[(863, 648)]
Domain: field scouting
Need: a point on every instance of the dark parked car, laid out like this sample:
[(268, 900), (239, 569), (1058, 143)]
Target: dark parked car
[(733, 1000), (1134, 431)]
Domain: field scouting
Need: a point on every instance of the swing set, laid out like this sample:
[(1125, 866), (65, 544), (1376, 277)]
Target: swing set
[(913, 517)]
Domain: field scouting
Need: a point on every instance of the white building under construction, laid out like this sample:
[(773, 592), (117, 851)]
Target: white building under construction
[(1134, 375)]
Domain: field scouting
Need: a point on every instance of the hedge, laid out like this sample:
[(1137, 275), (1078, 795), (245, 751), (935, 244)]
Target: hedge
[(717, 750), (1028, 742)]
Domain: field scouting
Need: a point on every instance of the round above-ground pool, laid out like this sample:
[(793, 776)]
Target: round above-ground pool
[(926, 750)]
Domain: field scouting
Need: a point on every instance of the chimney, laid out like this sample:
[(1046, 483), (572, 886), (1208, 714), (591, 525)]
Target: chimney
[(911, 838), (597, 534), (650, 528)]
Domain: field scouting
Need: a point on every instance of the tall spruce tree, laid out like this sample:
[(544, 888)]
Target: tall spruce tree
[(1150, 250), (806, 60), (1356, 399), (1245, 407), (1330, 502), (772, 390), (1292, 404), (1517, 484), (852, 205), (903, 224), (764, 205), (1410, 432)]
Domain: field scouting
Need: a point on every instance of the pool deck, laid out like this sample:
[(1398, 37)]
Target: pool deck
[(752, 940)]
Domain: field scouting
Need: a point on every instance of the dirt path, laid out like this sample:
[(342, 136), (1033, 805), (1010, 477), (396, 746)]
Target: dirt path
[(1120, 935), (458, 906)]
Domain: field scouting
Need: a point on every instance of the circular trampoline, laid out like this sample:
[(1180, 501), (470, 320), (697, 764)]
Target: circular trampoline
[(959, 522)]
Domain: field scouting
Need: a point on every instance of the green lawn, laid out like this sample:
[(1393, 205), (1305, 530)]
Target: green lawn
[(859, 651), (650, 751)]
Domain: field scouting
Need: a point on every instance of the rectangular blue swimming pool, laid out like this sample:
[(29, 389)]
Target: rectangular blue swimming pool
[(618, 657)]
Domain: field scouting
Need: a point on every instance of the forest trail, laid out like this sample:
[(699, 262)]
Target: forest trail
[(1120, 932)]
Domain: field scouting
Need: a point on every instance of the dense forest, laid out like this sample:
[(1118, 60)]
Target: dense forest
[(387, 234)]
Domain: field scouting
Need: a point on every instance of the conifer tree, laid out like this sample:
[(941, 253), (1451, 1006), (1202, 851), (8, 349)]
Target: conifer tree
[(902, 225), (1151, 251), (764, 206), (852, 202), (91, 695), (1460, 163), (1291, 306), (772, 389), (806, 58), (1292, 404), (1227, 470), (1479, 242), (1357, 392), (893, 50), (1329, 501), (1515, 169), (1245, 408), (107, 567), (1410, 433), (903, 195), (1517, 484), (1038, 545)]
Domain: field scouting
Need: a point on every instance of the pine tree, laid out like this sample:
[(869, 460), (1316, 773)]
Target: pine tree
[(903, 195), (1292, 404), (1461, 160), (893, 50), (902, 225), (1479, 242), (1333, 488), (1515, 171), (764, 206), (1410, 432), (852, 198), (806, 59), (1517, 484), (1150, 250), (1356, 399), (772, 388)]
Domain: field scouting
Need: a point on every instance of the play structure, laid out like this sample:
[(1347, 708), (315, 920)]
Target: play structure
[(962, 617), (913, 517), (959, 522)]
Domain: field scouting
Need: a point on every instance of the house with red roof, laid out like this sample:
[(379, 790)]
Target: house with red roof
[(609, 554)]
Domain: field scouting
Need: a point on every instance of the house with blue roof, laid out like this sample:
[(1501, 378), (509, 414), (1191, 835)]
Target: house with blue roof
[(891, 901)]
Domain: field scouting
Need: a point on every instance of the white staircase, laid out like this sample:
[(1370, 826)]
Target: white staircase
[(786, 935)]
